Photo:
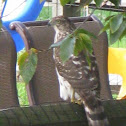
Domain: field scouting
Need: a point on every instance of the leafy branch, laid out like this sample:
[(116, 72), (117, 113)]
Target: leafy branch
[(75, 43), (116, 24), (27, 64), (87, 2)]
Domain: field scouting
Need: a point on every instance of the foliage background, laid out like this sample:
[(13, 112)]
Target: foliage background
[(102, 15), (46, 13)]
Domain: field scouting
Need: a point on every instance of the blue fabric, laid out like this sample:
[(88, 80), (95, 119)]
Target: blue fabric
[(29, 13)]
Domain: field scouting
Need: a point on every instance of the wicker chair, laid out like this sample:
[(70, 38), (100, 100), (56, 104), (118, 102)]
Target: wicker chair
[(8, 92), (44, 85)]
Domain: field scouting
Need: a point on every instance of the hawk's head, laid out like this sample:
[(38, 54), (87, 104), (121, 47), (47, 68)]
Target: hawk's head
[(62, 23)]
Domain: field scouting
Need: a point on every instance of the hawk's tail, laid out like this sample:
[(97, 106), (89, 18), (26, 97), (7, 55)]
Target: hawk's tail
[(95, 112), (96, 118)]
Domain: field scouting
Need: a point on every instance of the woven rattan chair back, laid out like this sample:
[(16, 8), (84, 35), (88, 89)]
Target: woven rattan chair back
[(8, 92), (44, 85)]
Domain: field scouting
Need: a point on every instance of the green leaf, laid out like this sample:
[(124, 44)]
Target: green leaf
[(109, 18), (56, 44), (27, 65), (22, 59), (64, 2), (115, 22), (123, 34), (34, 50), (78, 31), (106, 27), (83, 42), (116, 35), (88, 43), (78, 47), (67, 48), (98, 2)]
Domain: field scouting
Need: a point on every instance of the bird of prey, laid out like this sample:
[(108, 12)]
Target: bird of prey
[(78, 80)]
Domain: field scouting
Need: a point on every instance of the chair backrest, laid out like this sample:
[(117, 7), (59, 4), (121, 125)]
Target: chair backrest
[(44, 85), (8, 92)]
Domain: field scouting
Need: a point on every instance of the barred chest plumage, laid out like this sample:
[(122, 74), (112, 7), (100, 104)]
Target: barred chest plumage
[(75, 71)]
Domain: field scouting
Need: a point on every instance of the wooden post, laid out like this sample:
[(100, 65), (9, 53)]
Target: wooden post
[(67, 10), (71, 11)]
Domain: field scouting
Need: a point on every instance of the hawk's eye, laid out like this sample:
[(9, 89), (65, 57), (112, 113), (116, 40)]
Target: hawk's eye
[(58, 21)]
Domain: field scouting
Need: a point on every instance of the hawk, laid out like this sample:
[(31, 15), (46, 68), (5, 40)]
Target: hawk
[(78, 81)]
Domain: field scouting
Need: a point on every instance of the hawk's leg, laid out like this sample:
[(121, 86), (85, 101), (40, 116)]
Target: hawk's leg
[(74, 100)]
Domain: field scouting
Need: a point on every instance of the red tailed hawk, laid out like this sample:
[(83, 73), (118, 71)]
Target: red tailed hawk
[(78, 81)]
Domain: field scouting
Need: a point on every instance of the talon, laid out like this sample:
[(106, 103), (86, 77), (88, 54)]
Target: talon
[(73, 100), (73, 97), (79, 102)]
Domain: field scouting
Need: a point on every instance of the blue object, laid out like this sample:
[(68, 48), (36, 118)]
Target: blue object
[(20, 10)]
